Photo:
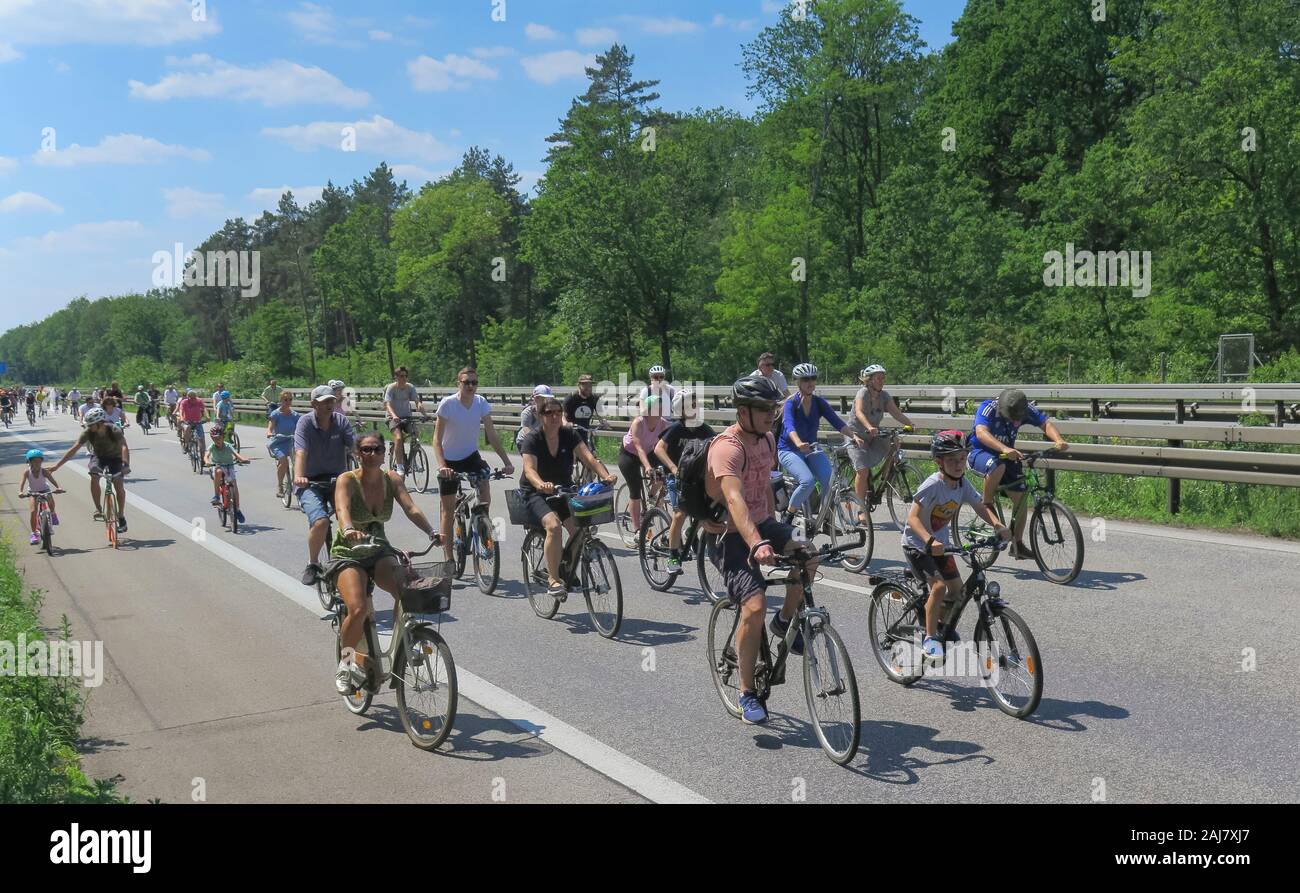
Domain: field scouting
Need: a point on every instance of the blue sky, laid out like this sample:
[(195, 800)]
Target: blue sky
[(164, 126)]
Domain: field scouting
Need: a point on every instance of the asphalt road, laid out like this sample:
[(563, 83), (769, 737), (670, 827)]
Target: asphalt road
[(218, 669)]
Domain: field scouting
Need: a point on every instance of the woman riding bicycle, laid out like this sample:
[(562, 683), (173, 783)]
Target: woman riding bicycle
[(280, 426), (869, 408), (638, 452), (548, 463), (802, 413), (363, 500)]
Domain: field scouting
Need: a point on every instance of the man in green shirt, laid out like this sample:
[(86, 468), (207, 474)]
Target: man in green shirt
[(271, 397)]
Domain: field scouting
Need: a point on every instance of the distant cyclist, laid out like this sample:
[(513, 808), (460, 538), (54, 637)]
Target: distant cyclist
[(321, 444), (399, 398), (801, 416), (689, 425), (869, 408), (280, 428), (658, 387), (530, 419), (582, 410)]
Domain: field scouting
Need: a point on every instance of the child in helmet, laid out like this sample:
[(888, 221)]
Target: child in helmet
[(37, 480)]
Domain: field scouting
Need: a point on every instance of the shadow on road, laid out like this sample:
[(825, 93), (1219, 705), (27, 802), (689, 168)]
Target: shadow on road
[(1093, 581), (128, 543), (883, 754), (636, 631), (463, 743)]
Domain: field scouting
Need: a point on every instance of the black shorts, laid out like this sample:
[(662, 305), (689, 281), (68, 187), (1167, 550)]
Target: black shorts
[(931, 567), (112, 466), (630, 465), (471, 464), (539, 506), (744, 578), (365, 564)]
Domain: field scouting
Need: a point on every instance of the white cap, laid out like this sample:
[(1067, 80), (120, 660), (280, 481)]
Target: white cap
[(323, 392), (542, 391)]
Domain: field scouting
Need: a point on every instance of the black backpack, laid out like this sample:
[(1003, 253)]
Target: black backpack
[(692, 468)]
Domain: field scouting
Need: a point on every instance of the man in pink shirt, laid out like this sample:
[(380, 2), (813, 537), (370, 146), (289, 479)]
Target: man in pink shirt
[(739, 462), (194, 412)]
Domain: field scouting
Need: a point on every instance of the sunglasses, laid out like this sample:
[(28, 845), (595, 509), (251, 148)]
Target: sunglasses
[(472, 382), (553, 412), (370, 449)]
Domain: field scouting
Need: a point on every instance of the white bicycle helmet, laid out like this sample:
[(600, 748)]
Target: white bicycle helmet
[(336, 383), (871, 370), (93, 416), (658, 370), (679, 408), (805, 370)]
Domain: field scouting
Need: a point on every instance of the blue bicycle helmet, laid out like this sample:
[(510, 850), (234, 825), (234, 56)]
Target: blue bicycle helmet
[(595, 488), (225, 395), (35, 454)]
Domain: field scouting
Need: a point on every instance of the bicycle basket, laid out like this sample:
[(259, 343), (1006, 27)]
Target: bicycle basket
[(423, 594), (588, 511), (517, 505)]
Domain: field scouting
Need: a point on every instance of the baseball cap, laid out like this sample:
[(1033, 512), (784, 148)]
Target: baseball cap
[(542, 391), (322, 392)]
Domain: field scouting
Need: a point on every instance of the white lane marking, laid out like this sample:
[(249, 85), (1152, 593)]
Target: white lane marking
[(647, 782), (1196, 536)]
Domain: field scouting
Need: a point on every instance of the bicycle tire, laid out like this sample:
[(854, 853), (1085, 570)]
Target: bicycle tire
[(974, 529), (286, 497), (324, 594), (724, 668), (848, 506), (652, 550), (891, 627), (47, 535), (234, 514), (830, 678), (1021, 656), (597, 558), (1045, 525), (536, 583), (460, 548), (429, 728), (234, 438), (222, 513), (712, 583), (623, 516), (358, 701), (417, 468), (899, 490), (110, 515), (487, 558)]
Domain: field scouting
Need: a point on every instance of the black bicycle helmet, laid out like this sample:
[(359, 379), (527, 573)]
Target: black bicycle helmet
[(1013, 404), (756, 391), (945, 442)]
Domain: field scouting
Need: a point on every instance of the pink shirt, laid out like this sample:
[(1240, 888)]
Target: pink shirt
[(732, 454), (651, 427)]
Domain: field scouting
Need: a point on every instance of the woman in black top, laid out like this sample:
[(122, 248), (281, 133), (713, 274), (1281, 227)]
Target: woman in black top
[(548, 463), (690, 426)]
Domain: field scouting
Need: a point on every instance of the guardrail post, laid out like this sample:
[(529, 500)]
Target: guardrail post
[(1176, 485), (1281, 414)]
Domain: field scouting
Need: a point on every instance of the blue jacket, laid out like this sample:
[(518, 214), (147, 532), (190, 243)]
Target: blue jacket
[(794, 421)]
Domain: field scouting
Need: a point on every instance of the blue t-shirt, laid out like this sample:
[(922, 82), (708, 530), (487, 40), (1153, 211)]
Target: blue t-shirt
[(285, 425), (805, 426), (225, 410), (1002, 428)]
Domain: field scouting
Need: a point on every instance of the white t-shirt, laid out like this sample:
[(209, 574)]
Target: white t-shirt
[(460, 431), (665, 392), (171, 398), (777, 377), (939, 502)]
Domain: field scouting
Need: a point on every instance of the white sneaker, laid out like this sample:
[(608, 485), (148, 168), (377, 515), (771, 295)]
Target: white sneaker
[(348, 676)]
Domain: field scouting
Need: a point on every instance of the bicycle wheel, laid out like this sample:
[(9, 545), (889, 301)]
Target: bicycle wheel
[(358, 701), (460, 548), (47, 535), (110, 515), (847, 509), (426, 688), (723, 664), (652, 548), (536, 583), (1010, 665), (417, 469), (487, 557), (234, 439), (234, 514), (1057, 541), (712, 583), (967, 527), (602, 589), (286, 497), (832, 692), (898, 492), (323, 593), (892, 631), (623, 517)]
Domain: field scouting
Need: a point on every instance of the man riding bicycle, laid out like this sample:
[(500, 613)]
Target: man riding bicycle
[(530, 419), (582, 410), (869, 408), (690, 425), (455, 447), (321, 443), (398, 397), (361, 552), (193, 415), (997, 423), (548, 456), (142, 403), (109, 453), (737, 478)]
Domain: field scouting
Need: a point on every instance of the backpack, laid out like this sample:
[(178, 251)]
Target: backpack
[(692, 468)]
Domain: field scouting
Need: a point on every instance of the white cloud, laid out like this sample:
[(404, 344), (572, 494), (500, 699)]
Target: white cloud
[(378, 136), (79, 238), (721, 21), (312, 21), (596, 36), (268, 197), (185, 202), (452, 73), (772, 6), (415, 175), (535, 31), (551, 67), (8, 53), (380, 35), (124, 148), (8, 164), (29, 202), (662, 27), (139, 22), (492, 52), (276, 83)]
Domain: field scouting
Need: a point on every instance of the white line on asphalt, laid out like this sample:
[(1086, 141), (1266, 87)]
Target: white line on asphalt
[(647, 782)]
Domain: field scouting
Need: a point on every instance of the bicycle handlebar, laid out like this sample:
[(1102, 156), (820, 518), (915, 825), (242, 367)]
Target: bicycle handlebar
[(467, 477)]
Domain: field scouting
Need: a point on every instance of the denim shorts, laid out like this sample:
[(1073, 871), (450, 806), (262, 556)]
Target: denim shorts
[(316, 504)]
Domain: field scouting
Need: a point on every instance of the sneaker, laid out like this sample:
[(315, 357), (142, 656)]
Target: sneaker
[(216, 501), (279, 491), (309, 574), (239, 516), (121, 524), (675, 563), (778, 626), (54, 519), (36, 539), (348, 676), (99, 516), (752, 711), (558, 591), (933, 648)]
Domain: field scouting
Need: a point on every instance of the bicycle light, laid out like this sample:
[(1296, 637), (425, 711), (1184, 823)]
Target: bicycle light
[(993, 589)]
